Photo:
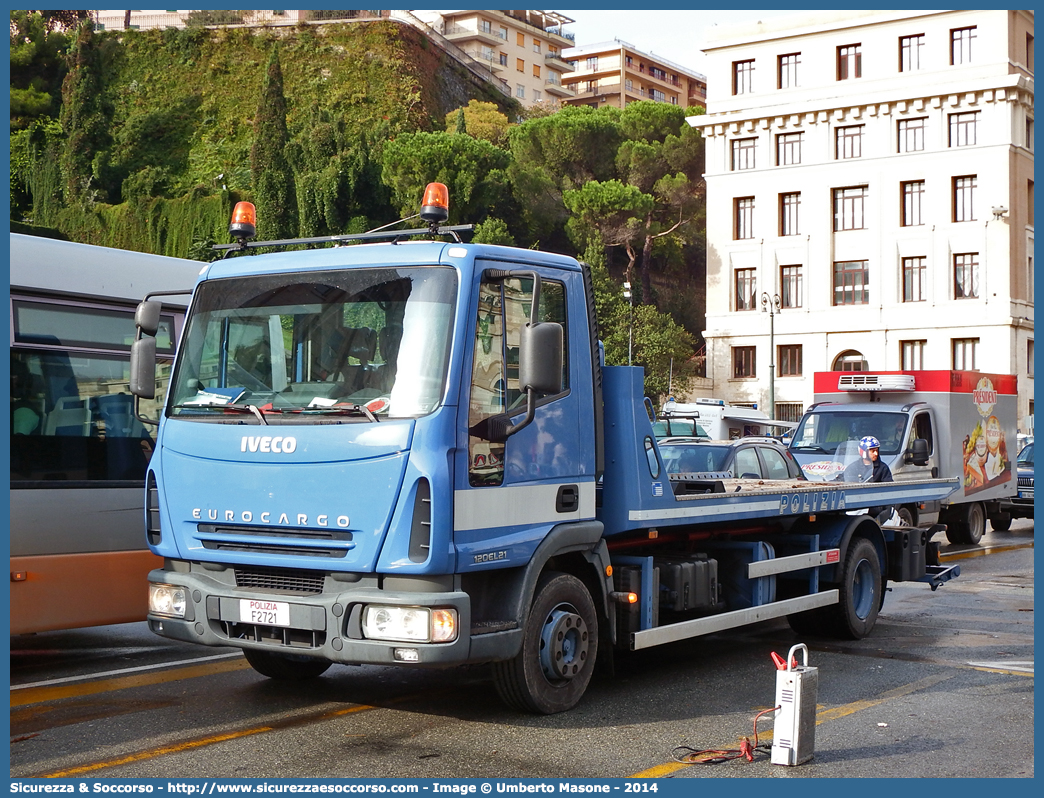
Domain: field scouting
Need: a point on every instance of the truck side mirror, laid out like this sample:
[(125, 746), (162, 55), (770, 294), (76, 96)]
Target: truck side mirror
[(147, 316), (143, 368), (540, 357), (918, 452)]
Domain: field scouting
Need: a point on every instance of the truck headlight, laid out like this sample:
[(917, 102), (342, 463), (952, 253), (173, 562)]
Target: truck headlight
[(410, 624), (168, 600)]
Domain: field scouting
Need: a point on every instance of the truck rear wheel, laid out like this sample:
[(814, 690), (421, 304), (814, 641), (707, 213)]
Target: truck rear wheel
[(966, 523), (290, 667), (1000, 522), (860, 599), (559, 648)]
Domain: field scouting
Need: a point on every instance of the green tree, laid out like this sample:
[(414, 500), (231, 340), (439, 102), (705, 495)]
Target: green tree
[(608, 214), (472, 169), (493, 231), (481, 120), (273, 180), (84, 117)]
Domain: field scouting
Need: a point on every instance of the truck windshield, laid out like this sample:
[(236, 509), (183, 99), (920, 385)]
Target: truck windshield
[(826, 431), (318, 343)]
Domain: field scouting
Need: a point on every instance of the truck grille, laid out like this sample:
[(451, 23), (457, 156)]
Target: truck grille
[(282, 580), (276, 540), (1025, 482)]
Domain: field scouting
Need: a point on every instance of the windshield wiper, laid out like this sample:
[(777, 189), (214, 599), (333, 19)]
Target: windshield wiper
[(337, 410), (237, 408)]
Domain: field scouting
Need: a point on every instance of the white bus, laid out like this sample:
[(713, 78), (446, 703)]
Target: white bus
[(78, 452)]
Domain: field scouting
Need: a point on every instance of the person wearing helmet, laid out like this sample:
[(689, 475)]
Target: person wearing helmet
[(870, 468)]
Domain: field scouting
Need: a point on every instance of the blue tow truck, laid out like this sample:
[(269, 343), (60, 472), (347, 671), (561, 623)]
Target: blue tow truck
[(404, 452)]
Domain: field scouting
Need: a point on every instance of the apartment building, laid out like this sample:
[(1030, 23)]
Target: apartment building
[(870, 199), (522, 49), (617, 73)]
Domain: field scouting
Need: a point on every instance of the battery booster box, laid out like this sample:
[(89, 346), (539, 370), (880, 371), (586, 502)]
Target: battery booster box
[(794, 731)]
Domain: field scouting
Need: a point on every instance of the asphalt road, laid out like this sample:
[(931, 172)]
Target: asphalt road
[(942, 688)]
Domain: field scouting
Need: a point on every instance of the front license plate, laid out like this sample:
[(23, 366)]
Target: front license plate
[(265, 613)]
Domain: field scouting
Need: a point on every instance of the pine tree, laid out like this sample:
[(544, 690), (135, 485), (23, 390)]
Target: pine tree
[(273, 179)]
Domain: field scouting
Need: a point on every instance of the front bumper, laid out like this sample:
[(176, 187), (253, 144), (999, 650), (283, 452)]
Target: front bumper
[(324, 622)]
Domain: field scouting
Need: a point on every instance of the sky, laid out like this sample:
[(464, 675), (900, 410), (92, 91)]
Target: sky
[(674, 35)]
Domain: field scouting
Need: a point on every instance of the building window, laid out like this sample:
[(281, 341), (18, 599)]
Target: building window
[(503, 59), (848, 142), (963, 129), (789, 360), (790, 287), (503, 32), (964, 353), (1029, 133), (743, 153), (629, 85), (536, 95), (1029, 203), (964, 198), (1029, 358), (850, 360), (743, 77), (961, 45), (536, 45), (911, 134), (910, 52), (912, 355), (848, 208), (913, 196), (852, 282), (520, 65), (789, 411), (658, 96), (485, 26), (1029, 52), (746, 289), (966, 275), (520, 91), (629, 61), (788, 149), (915, 278), (520, 39), (744, 217), (592, 63), (849, 62), (743, 365), (789, 207), (536, 70), (787, 72)]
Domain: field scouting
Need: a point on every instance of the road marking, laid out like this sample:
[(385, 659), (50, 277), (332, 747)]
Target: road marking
[(983, 551), (106, 674), (1005, 666), (822, 716), (152, 753), (39, 694)]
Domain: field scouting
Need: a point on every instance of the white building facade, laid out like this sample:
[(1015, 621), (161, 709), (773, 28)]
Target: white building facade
[(870, 183)]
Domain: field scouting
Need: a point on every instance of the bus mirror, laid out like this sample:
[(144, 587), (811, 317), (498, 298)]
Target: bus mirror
[(143, 367), (918, 452), (540, 357), (147, 316)]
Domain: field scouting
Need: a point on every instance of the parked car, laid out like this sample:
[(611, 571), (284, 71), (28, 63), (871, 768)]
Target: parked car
[(1021, 504), (749, 458), (678, 427)]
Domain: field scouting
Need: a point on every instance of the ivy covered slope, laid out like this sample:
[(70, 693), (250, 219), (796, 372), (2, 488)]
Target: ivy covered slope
[(156, 130)]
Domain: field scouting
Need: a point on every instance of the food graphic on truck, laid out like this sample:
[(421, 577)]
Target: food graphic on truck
[(986, 461)]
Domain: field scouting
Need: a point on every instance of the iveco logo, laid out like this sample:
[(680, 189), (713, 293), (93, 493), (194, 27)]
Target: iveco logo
[(267, 443)]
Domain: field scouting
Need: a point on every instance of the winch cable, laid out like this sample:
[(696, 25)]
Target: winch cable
[(715, 756)]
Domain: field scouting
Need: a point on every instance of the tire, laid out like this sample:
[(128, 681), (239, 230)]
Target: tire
[(1000, 523), (969, 523), (559, 649), (288, 667), (906, 516), (860, 591)]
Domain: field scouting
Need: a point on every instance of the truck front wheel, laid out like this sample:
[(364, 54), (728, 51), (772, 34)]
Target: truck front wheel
[(559, 648), (861, 586), (966, 523), (290, 667)]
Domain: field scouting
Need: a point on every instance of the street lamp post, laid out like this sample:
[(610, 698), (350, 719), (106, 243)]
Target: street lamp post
[(770, 303), (630, 321)]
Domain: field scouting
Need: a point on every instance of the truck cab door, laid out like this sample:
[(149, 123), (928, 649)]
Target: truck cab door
[(922, 426), (510, 492)]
